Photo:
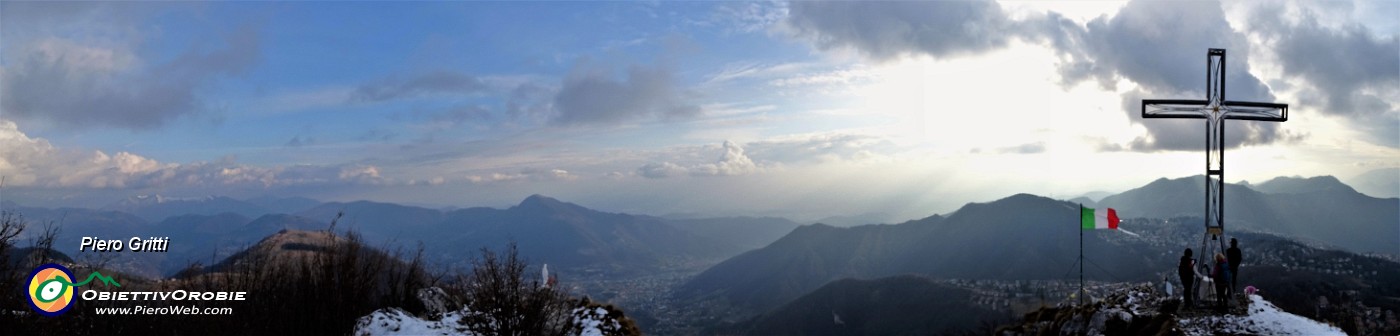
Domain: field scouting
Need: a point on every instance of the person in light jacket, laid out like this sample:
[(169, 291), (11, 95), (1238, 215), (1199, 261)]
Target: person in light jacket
[(1221, 276)]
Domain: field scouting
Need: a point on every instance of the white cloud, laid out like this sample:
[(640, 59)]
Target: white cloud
[(822, 148), (846, 76), (34, 162), (732, 110), (554, 174), (661, 170), (732, 162), (741, 71), (359, 173), (19, 153), (767, 155)]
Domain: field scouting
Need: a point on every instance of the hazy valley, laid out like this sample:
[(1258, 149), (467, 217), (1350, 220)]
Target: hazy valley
[(989, 262)]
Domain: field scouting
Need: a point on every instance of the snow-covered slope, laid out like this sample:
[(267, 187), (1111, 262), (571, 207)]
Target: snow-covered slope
[(1143, 310), (1264, 319), (587, 319), (394, 321)]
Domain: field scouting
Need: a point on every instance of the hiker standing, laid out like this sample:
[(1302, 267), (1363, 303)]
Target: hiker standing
[(1187, 271), (1221, 276), (1234, 256)]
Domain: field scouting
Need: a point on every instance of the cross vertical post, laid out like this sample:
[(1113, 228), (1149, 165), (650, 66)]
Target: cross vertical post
[(1215, 110)]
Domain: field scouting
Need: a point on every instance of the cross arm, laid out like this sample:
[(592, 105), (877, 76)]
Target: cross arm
[(1256, 111), (1173, 108)]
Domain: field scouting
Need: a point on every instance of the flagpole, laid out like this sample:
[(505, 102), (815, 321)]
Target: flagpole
[(1081, 255)]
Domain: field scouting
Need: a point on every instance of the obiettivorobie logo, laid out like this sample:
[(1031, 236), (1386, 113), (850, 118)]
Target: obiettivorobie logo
[(51, 288)]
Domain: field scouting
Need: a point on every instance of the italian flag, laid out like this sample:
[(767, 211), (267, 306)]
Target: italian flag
[(1090, 219)]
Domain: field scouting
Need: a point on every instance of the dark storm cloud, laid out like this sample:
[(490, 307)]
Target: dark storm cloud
[(887, 30), (439, 82), (65, 83), (1349, 71), (1160, 46), (592, 95), (1340, 62)]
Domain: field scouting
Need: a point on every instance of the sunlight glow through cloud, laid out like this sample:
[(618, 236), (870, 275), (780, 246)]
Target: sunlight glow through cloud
[(807, 109)]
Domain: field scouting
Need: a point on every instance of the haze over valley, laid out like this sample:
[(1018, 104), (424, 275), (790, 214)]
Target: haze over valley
[(680, 275)]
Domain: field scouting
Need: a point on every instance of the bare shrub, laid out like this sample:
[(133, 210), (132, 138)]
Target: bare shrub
[(507, 301)]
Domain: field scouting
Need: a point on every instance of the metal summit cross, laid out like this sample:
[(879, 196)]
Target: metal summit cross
[(1215, 109)]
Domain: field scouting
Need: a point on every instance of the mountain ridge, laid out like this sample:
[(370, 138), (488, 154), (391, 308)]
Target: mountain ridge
[(1321, 209), (1300, 185), (1039, 235), (1313, 209)]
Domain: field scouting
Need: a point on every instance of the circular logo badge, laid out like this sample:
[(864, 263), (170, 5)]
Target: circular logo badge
[(50, 289)]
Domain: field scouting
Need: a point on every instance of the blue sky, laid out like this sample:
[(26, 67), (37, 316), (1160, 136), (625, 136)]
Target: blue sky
[(806, 109)]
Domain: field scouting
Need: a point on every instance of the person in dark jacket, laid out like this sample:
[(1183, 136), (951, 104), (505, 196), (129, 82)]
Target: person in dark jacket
[(1186, 269), (1234, 256), (1221, 276)]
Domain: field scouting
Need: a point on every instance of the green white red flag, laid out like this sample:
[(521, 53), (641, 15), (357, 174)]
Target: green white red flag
[(1090, 219)]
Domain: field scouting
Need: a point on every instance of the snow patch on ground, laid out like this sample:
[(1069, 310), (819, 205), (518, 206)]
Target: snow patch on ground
[(1264, 319), (588, 321), (395, 321), (1140, 309), (591, 322)]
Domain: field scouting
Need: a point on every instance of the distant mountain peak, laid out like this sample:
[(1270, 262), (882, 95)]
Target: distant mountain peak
[(1023, 197), (1301, 185), (1013, 201), (545, 203), (539, 199)]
